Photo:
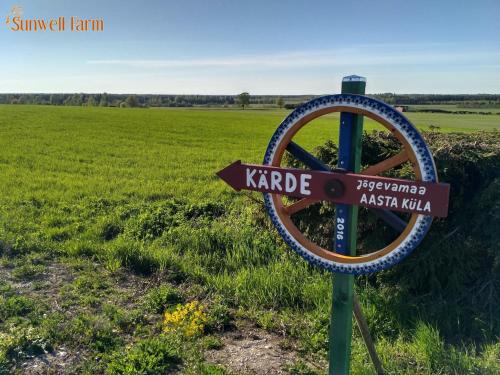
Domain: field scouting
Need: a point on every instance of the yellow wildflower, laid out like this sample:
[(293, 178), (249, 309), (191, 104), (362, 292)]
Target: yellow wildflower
[(189, 319)]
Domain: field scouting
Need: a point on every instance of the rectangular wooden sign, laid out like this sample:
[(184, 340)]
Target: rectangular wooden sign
[(427, 198)]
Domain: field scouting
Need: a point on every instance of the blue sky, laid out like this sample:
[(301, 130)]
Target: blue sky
[(264, 47)]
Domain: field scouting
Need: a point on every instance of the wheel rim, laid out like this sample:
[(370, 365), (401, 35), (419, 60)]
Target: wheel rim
[(416, 151)]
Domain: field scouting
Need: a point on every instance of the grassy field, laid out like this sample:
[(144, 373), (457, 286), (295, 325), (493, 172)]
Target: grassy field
[(111, 217), (102, 151), (455, 108)]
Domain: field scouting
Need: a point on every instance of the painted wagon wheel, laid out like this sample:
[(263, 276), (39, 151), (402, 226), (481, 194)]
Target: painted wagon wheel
[(414, 150)]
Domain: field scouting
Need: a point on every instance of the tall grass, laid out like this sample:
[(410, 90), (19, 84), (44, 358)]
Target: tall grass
[(136, 189)]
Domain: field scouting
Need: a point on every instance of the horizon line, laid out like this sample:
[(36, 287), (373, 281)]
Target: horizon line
[(232, 94)]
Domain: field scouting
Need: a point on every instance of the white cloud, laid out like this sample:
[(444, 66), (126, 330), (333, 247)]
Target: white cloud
[(347, 57), (388, 68)]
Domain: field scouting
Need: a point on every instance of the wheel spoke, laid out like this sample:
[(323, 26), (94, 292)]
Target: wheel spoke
[(387, 164), (313, 163), (391, 219), (306, 158), (300, 205)]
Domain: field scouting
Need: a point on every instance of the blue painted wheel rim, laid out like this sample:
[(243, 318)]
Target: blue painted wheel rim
[(409, 133)]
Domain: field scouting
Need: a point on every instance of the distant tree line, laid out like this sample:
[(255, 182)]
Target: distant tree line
[(406, 99), (123, 100), (118, 100), (242, 100)]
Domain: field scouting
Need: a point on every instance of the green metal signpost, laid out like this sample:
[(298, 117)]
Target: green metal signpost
[(351, 130)]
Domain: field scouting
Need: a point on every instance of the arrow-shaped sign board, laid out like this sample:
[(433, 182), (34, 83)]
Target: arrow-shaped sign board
[(427, 198)]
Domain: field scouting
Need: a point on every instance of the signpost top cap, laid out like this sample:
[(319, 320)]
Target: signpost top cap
[(354, 78)]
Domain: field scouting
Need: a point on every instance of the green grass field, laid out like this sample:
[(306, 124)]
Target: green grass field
[(124, 208), (455, 107), (142, 153)]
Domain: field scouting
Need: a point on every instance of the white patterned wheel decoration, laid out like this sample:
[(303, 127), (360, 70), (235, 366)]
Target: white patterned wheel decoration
[(414, 150)]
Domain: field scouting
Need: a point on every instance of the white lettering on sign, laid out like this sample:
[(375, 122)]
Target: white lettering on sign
[(290, 183), (380, 194), (387, 201), (416, 205), (390, 186), (263, 181), (250, 181), (380, 200), (340, 228), (305, 184), (278, 181)]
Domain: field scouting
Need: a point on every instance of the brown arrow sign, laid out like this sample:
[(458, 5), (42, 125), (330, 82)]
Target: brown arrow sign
[(394, 194)]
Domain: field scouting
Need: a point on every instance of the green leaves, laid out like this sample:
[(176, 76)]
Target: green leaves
[(150, 356)]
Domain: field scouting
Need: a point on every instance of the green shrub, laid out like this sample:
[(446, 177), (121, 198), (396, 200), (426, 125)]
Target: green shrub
[(88, 283), (58, 234), (23, 342), (82, 248), (465, 244), (150, 356), (28, 271), (212, 343), (109, 228), (158, 218), (158, 299), (96, 332), (154, 220), (127, 320), (427, 353), (489, 361), (204, 210), (12, 306), (23, 244), (132, 255), (219, 316), (4, 364)]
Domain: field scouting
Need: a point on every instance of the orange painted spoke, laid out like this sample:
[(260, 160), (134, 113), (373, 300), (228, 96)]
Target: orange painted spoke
[(387, 164), (299, 205)]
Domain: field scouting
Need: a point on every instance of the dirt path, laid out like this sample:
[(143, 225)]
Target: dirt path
[(253, 351)]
